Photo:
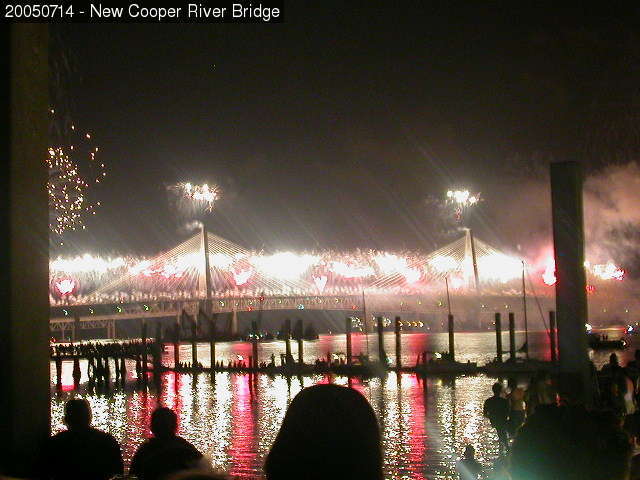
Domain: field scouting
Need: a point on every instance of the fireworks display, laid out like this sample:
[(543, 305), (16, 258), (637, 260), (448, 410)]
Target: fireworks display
[(195, 200), (599, 271), (237, 271), (461, 200), (73, 169)]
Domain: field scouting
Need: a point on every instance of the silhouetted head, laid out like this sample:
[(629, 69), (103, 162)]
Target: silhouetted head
[(327, 432), (572, 444), (513, 383), (497, 388), (469, 451), (77, 414), (613, 359), (164, 422)]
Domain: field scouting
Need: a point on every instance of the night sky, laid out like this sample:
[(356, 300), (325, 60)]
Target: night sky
[(333, 129)]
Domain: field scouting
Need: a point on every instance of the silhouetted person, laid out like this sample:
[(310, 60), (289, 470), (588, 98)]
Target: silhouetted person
[(469, 468), (80, 452), (516, 406), (328, 432), (541, 391), (76, 375), (570, 443), (617, 387), (496, 409), (165, 452)]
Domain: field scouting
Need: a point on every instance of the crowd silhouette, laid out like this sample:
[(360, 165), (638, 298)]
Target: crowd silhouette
[(331, 431)]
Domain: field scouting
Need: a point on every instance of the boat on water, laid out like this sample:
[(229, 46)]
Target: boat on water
[(598, 342), (520, 365), (444, 366)]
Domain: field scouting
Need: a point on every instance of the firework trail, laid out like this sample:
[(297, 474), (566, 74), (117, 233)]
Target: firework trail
[(73, 170)]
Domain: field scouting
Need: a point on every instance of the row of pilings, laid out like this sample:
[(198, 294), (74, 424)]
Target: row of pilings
[(100, 356)]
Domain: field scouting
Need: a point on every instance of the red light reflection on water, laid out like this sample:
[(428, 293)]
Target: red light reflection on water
[(417, 433), (243, 448), (138, 414)]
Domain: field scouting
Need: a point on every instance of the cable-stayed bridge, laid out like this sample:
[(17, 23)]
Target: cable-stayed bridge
[(207, 272)]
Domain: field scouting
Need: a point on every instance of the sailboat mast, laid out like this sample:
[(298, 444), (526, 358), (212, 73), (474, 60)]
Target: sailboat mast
[(524, 309), (366, 322), (446, 282)]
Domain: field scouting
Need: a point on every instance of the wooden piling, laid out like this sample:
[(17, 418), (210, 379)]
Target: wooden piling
[(287, 337), (254, 344), (301, 350), (144, 346), (452, 346), (398, 343), (512, 336), (212, 340), (381, 353), (59, 371), (347, 328), (498, 326), (123, 370), (76, 371), (176, 343)]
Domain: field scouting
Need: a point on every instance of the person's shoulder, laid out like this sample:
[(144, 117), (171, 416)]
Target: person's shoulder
[(60, 437), (102, 436), (185, 443)]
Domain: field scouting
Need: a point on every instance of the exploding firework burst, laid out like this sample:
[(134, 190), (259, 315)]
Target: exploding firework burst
[(73, 167), (196, 199), (461, 200)]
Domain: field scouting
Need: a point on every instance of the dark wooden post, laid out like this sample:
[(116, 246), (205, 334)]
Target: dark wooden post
[(143, 336), (347, 328), (381, 353), (498, 337), (571, 295), (398, 343), (123, 370), (254, 344), (176, 342), (512, 336), (58, 360), (452, 345), (212, 340), (76, 375), (301, 350), (287, 339)]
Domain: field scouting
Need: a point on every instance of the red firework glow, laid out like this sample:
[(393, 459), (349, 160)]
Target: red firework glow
[(604, 271)]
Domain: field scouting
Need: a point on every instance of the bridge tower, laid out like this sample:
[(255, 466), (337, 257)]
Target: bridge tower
[(204, 280), (471, 262)]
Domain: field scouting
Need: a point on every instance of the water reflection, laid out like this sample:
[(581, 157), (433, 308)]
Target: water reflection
[(233, 419)]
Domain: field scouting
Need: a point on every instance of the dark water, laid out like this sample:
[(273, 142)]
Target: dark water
[(425, 424)]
